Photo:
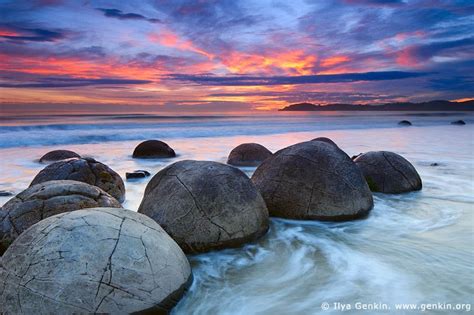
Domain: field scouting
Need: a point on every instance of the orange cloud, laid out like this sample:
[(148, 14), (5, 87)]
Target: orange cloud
[(170, 39), (334, 60)]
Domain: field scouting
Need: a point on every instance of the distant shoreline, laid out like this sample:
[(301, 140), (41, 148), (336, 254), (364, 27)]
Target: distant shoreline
[(424, 106)]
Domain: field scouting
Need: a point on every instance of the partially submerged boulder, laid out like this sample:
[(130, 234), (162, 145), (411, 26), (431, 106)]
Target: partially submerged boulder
[(458, 122), (404, 123), (98, 260), (137, 174), (47, 199), (151, 149), (205, 205), (58, 155), (85, 170), (313, 180), (248, 154), (388, 172)]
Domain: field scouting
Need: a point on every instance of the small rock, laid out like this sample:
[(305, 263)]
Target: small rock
[(458, 122), (404, 123), (152, 149), (137, 174), (5, 193), (434, 164)]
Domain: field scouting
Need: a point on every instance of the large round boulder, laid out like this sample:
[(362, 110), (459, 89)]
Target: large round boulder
[(205, 205), (98, 260), (248, 154), (85, 170), (47, 199), (388, 172), (313, 180), (151, 149), (58, 155)]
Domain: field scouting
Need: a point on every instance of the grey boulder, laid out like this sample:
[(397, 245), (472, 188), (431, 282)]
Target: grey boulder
[(248, 154), (151, 149), (98, 260), (324, 139), (58, 155), (85, 170), (47, 199), (205, 205), (313, 180), (388, 172)]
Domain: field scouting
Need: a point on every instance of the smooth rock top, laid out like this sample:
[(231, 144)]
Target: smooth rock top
[(313, 180), (85, 170), (324, 139), (404, 123), (153, 149), (388, 172), (98, 260), (58, 155), (205, 205), (248, 154), (47, 199)]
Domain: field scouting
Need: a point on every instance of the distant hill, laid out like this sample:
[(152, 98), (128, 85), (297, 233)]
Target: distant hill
[(425, 106)]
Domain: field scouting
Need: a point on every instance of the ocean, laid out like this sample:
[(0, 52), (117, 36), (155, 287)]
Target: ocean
[(415, 248)]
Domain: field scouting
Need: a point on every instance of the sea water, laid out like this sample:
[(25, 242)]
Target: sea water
[(415, 250)]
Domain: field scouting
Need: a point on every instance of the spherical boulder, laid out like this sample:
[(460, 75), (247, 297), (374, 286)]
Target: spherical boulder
[(388, 172), (404, 123), (151, 149), (58, 155), (205, 205), (98, 260), (324, 139), (313, 180), (47, 199), (248, 154), (85, 170)]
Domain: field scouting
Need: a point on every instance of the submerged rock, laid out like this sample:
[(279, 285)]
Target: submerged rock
[(313, 180), (5, 193), (388, 172), (137, 174), (248, 154), (85, 170), (205, 205), (153, 149), (98, 260), (458, 122), (47, 199), (58, 155), (404, 123)]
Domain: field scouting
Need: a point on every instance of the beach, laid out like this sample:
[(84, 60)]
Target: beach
[(412, 248)]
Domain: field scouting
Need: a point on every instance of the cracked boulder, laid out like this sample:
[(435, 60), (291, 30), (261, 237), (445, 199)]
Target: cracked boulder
[(313, 180), (47, 199), (58, 155), (388, 172), (205, 205), (85, 170), (151, 149), (100, 260), (248, 154)]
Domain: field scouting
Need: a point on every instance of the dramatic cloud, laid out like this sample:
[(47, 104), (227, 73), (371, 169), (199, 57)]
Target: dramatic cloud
[(51, 82), (14, 33), (114, 13)]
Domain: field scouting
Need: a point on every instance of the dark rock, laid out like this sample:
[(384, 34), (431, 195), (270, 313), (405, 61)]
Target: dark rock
[(458, 122), (137, 174), (388, 172), (99, 260), (153, 149), (248, 154), (58, 155), (404, 123), (45, 200), (324, 139), (205, 205), (5, 193), (313, 180), (434, 164), (85, 170), (356, 156)]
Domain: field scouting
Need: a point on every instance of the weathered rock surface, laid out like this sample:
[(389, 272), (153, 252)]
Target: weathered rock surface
[(153, 149), (248, 154), (205, 205), (388, 172), (47, 199), (137, 174), (458, 122), (58, 155), (313, 180), (99, 260), (404, 123), (324, 139), (85, 170)]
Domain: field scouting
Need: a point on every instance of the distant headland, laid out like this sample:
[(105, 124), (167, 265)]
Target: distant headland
[(404, 106)]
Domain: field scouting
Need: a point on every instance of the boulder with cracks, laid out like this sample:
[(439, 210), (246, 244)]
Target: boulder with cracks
[(388, 172), (85, 170), (47, 199), (205, 205), (313, 180), (100, 260)]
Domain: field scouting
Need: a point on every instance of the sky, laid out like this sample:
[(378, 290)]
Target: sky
[(231, 56)]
